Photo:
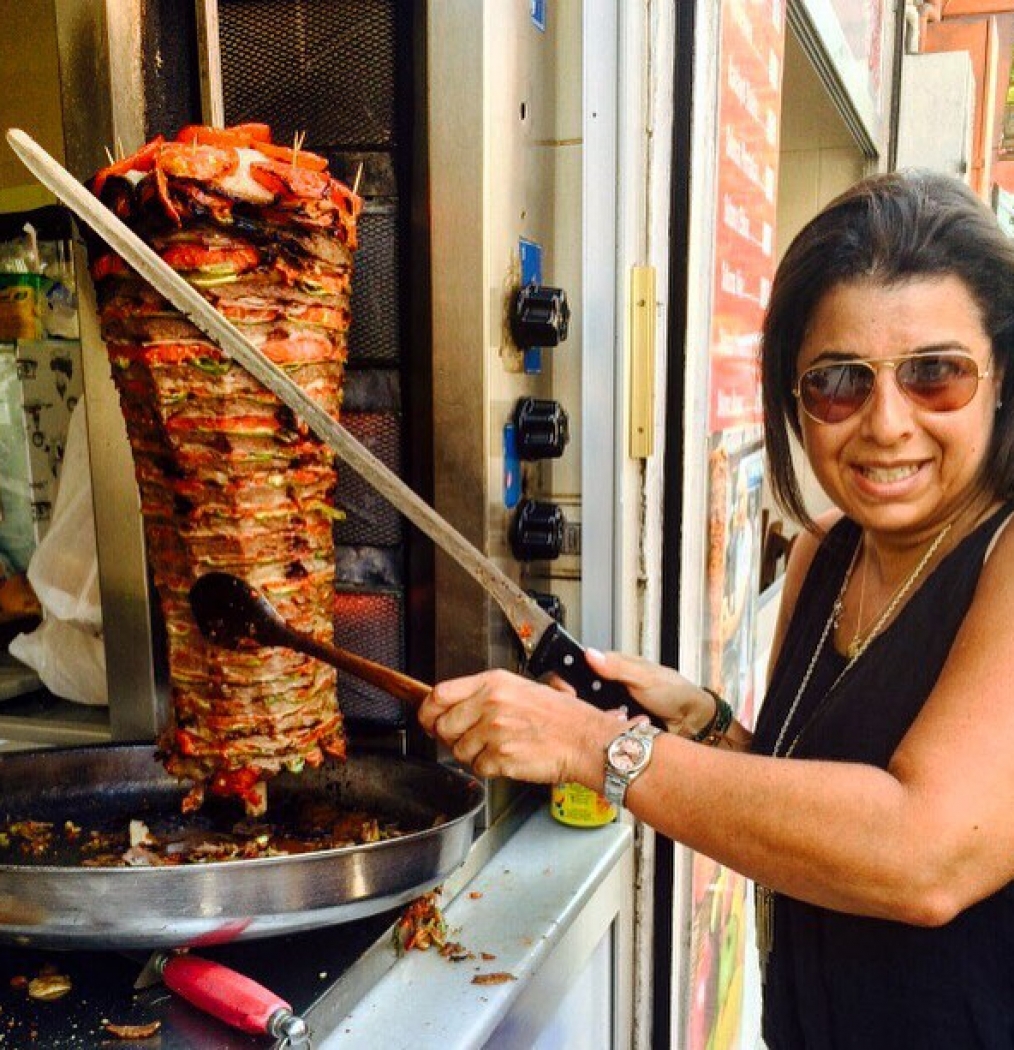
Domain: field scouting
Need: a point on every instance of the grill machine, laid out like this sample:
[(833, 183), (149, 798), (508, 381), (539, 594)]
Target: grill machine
[(409, 99)]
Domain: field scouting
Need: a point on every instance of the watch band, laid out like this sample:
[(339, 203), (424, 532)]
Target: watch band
[(618, 781), (615, 791)]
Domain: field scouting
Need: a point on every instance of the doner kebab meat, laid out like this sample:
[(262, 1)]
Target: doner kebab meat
[(229, 479)]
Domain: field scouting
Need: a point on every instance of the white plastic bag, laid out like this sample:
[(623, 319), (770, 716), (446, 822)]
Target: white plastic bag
[(66, 650)]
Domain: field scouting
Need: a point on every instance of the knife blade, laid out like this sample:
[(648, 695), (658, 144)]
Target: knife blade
[(548, 648)]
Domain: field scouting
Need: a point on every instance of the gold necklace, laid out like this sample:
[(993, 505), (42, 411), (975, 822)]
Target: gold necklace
[(764, 897), (858, 645), (854, 646)]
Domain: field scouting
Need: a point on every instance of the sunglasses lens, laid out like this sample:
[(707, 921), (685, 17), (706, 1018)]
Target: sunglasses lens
[(936, 382), (835, 392), (939, 382)]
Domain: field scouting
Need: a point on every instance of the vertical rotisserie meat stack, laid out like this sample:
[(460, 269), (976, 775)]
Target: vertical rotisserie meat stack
[(229, 479)]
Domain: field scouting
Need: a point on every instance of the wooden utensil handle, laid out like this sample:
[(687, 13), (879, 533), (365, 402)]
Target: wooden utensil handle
[(394, 682)]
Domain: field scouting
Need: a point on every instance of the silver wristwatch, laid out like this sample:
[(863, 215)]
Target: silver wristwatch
[(627, 757)]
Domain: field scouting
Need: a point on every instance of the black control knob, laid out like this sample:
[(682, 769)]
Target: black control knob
[(540, 316), (549, 603), (542, 429), (536, 532)]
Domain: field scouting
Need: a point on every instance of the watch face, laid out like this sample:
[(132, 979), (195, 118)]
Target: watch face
[(626, 753)]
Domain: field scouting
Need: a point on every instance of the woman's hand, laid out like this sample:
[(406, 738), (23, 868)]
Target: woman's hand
[(684, 707), (500, 724)]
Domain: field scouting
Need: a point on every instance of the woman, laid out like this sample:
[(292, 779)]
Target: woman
[(884, 861)]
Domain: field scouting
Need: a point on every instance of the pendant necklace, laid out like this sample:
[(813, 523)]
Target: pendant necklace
[(764, 898), (856, 644)]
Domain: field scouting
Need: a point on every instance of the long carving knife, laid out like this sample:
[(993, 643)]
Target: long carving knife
[(547, 646)]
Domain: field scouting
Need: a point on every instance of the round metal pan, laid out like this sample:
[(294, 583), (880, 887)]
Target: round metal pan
[(64, 906)]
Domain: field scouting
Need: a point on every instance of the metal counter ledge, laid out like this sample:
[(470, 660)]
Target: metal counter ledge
[(537, 909)]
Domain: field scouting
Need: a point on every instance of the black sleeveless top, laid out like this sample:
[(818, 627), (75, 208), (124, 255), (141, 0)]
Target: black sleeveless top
[(845, 981)]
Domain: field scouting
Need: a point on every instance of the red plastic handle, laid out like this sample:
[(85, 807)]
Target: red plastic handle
[(223, 993)]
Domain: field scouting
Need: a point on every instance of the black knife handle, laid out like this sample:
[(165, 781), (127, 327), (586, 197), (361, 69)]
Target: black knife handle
[(560, 654)]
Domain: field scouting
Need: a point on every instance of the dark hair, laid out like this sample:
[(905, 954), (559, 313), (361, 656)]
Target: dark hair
[(888, 229)]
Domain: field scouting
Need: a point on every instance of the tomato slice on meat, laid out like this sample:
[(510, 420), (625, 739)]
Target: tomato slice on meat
[(202, 162), (195, 256), (235, 136), (292, 348), (142, 160), (287, 155), (287, 180), (108, 265)]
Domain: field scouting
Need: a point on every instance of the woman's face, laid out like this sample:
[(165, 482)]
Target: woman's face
[(892, 465)]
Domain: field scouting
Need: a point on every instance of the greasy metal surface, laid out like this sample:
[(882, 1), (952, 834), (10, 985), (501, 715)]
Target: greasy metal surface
[(100, 79), (64, 906)]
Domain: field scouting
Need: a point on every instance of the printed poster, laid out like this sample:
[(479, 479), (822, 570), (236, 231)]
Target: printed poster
[(752, 47), (750, 71), (719, 927)]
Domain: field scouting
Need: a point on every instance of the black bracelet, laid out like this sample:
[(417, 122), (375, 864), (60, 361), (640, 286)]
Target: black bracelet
[(713, 732)]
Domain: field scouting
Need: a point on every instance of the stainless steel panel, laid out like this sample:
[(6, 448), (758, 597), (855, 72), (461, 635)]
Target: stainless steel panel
[(506, 167), (137, 702), (99, 43)]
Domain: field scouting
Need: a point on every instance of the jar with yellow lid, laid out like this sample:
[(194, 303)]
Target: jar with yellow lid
[(580, 807)]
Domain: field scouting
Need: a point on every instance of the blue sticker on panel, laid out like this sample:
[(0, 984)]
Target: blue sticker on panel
[(530, 255), (511, 468), (538, 10), (532, 361)]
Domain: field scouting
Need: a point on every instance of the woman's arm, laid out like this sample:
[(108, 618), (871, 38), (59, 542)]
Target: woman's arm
[(688, 709), (917, 842)]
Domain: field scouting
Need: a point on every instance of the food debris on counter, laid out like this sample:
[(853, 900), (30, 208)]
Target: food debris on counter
[(49, 987), (132, 1031), (48, 1003), (421, 925), (456, 952), (493, 978)]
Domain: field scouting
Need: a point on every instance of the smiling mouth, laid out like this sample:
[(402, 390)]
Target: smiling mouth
[(886, 475)]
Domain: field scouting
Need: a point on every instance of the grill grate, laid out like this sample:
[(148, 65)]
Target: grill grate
[(369, 518), (375, 334), (322, 67), (372, 626)]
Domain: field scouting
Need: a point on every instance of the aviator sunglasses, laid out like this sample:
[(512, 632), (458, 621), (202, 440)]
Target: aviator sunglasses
[(938, 381)]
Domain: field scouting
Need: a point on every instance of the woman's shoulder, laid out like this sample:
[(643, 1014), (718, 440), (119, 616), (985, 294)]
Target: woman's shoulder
[(801, 557), (999, 553), (805, 547)]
